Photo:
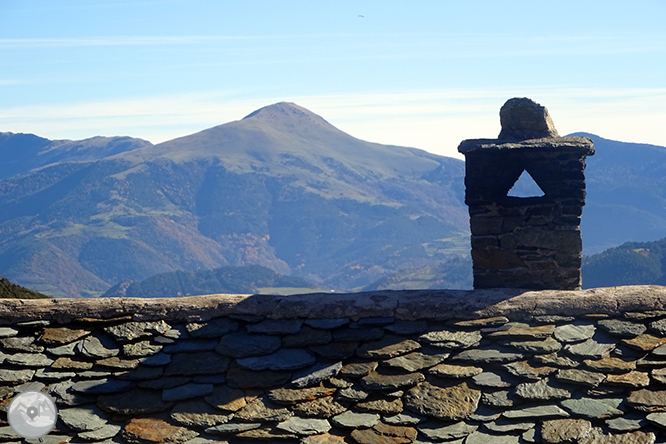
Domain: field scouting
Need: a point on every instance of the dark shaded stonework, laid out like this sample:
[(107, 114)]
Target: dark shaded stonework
[(526, 242)]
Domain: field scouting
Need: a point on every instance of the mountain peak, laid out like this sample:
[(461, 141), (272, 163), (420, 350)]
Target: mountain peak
[(288, 114)]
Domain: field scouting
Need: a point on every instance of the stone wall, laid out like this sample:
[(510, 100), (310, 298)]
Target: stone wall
[(493, 366), (532, 242)]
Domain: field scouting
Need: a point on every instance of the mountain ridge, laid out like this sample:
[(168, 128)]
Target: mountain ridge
[(301, 198), (281, 188)]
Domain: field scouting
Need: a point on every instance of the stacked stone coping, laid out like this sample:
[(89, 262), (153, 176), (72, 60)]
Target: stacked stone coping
[(493, 366)]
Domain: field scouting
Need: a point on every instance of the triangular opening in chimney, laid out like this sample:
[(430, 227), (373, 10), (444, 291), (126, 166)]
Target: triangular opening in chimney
[(525, 186)]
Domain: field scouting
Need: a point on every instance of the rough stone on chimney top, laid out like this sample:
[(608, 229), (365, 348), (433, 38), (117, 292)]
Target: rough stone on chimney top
[(524, 119)]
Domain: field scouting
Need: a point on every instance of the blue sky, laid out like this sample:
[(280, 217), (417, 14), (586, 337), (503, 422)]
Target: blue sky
[(417, 73)]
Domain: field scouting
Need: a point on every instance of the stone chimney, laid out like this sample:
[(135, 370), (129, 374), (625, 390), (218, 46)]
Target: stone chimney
[(526, 242)]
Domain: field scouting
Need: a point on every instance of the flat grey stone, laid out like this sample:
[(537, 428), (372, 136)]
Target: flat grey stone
[(451, 338), (276, 327), (438, 432), (659, 351), (327, 324), (62, 394), (491, 379), (487, 356), (16, 376), (387, 347), (102, 386), (523, 369), (107, 431), (198, 414), (233, 427), (500, 398), (548, 345), (263, 409), (582, 377), (658, 326), (415, 361), (487, 438), (626, 423), (353, 420), (648, 400), (379, 381), (555, 360), (658, 419), (305, 426), (591, 408), (404, 418), (590, 349), (64, 350), (625, 329), (574, 333), (503, 425), (283, 359), (187, 391), (94, 347), (34, 386), (541, 390), (191, 345), (243, 345), (288, 396), (485, 414), (454, 371), (48, 373), (352, 394), (129, 331), (34, 324), (320, 371), (214, 328), (518, 330), (141, 349), (29, 360), (7, 332), (83, 419), (7, 432), (21, 343), (540, 411)]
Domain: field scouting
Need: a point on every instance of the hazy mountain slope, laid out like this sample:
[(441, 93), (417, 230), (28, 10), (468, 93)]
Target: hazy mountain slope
[(281, 188), (633, 263), (626, 194), (240, 280), (21, 153)]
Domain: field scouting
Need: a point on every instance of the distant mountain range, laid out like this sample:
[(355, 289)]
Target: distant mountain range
[(282, 189), (250, 279), (633, 263)]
